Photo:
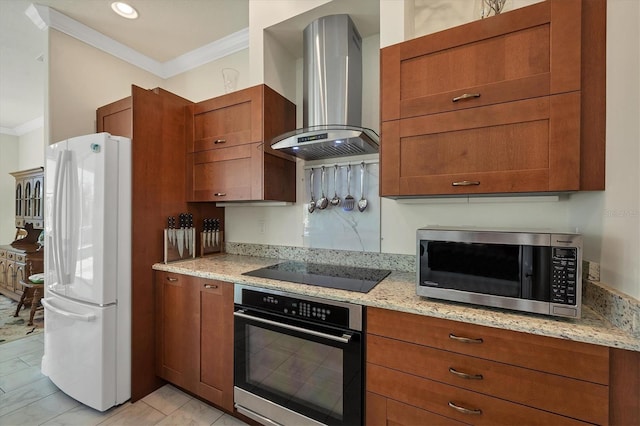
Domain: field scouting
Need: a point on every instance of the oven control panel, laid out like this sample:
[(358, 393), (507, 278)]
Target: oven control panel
[(293, 307)]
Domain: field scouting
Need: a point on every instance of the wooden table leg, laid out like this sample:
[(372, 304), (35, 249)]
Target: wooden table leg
[(22, 300), (35, 300)]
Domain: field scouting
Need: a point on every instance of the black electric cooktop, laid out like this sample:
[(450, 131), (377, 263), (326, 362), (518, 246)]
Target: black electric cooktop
[(349, 278)]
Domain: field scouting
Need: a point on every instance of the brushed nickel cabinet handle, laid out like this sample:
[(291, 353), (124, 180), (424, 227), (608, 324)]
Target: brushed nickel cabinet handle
[(464, 339), (171, 279), (466, 96), (466, 183), (210, 286), (465, 375), (217, 141), (220, 194), (463, 410)]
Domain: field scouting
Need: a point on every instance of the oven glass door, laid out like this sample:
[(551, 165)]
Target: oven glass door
[(318, 375)]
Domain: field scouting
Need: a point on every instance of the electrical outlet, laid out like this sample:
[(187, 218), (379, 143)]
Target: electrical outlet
[(262, 227)]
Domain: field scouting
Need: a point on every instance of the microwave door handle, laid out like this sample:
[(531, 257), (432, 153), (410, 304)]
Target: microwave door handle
[(345, 338), (526, 263)]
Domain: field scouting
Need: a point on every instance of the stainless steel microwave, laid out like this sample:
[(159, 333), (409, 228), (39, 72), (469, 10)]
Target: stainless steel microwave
[(538, 272)]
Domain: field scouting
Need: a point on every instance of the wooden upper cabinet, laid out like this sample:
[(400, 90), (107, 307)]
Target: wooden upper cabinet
[(498, 105), (230, 157), (116, 118)]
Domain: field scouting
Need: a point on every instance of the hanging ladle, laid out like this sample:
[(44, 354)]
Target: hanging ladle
[(324, 201), (335, 200), (312, 203), (362, 202)]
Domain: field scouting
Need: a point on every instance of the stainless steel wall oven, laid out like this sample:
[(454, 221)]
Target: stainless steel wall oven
[(298, 359)]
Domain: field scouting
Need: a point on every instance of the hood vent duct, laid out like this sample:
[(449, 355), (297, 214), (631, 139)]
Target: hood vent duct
[(332, 94)]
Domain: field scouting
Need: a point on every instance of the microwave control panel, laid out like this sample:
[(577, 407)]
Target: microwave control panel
[(564, 277)]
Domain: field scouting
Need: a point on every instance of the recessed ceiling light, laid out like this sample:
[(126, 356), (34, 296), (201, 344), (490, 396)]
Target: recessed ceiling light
[(124, 10)]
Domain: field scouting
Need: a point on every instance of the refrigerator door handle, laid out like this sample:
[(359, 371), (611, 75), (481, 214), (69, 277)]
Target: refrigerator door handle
[(57, 215), (72, 315)]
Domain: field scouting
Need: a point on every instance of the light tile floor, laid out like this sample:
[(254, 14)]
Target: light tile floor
[(29, 398)]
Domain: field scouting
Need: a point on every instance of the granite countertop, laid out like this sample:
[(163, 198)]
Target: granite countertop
[(397, 292)]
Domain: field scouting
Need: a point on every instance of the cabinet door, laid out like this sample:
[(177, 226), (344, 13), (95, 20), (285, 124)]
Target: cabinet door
[(20, 276), (3, 274), (216, 342), (38, 205), (116, 118), (177, 329), (11, 275), (19, 200), (525, 146), (528, 52), (229, 120), (228, 174)]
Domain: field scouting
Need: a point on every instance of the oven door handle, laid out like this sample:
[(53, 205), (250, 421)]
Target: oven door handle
[(345, 338)]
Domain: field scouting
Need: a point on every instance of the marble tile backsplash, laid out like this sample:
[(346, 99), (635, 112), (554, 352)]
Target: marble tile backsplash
[(395, 262), (618, 308)]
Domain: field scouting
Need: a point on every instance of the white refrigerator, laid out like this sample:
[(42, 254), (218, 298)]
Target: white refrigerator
[(87, 332)]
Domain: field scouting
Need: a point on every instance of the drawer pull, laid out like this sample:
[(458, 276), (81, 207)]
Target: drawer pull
[(465, 375), (459, 409), (217, 141), (171, 279), (210, 286), (466, 183), (466, 96), (464, 339), (220, 194)]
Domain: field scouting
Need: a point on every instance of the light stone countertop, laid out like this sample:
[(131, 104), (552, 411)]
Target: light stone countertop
[(397, 292)]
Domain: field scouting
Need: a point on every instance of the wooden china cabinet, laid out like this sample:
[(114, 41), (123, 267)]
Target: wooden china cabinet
[(24, 257)]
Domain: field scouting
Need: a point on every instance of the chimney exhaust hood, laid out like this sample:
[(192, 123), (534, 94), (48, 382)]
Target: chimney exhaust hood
[(332, 94)]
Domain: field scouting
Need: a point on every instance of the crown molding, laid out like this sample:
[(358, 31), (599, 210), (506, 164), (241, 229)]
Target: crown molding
[(44, 16), (23, 129), (208, 53)]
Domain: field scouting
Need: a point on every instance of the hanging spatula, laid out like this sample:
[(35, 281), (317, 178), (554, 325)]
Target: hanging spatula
[(349, 202)]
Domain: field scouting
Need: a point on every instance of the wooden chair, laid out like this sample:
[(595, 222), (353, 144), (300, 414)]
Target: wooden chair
[(32, 293)]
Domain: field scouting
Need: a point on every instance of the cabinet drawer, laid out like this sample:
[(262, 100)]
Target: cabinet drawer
[(563, 357), (11, 255), (570, 397), (456, 403), (3, 254), (524, 146), (20, 257), (382, 411)]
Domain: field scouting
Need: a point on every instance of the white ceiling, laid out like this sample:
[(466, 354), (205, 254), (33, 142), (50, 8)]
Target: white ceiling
[(165, 30)]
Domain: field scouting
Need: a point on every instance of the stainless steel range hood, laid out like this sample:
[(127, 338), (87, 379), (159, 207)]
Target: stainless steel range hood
[(332, 94)]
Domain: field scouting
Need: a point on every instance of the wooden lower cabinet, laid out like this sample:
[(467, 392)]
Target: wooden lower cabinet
[(423, 370), (194, 335), (215, 382), (17, 263)]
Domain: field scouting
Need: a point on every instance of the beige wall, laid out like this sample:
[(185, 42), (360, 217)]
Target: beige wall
[(9, 162), (206, 81), (31, 149), (82, 78), (16, 153)]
